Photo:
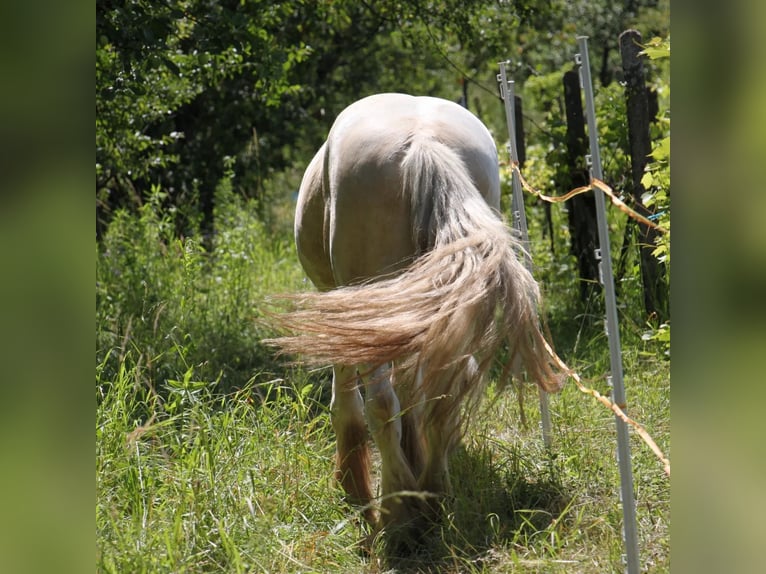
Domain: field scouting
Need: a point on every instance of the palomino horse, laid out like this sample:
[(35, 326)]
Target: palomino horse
[(398, 226)]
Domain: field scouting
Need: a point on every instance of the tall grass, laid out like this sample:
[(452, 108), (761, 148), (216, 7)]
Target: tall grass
[(211, 456), (165, 304), (214, 484)]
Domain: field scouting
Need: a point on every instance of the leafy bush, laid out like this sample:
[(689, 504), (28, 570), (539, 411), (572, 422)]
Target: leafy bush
[(166, 304), (657, 177)]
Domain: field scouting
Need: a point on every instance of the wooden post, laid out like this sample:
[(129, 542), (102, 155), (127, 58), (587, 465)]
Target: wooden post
[(518, 125), (581, 209), (652, 271)]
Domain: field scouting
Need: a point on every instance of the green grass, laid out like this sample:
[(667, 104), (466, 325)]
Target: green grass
[(243, 483), (227, 484), (212, 456)]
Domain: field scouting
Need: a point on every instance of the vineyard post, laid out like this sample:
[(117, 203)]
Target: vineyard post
[(639, 116)]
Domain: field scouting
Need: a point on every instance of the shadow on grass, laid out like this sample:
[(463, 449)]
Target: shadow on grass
[(498, 501)]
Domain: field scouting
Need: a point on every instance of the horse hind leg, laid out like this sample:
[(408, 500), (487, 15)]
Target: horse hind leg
[(401, 508), (408, 385), (352, 452), (441, 436), (442, 423)]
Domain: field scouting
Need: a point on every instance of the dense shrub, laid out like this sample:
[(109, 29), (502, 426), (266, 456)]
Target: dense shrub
[(167, 303)]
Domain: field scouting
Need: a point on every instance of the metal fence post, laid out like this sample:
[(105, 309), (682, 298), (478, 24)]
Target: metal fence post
[(613, 331), (520, 218)]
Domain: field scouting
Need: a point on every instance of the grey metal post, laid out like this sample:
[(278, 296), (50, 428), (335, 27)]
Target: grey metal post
[(613, 331), (520, 217)]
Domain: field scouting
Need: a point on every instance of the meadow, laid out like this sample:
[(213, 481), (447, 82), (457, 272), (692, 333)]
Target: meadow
[(213, 455)]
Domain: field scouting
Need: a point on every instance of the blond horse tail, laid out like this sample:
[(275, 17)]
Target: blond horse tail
[(465, 294)]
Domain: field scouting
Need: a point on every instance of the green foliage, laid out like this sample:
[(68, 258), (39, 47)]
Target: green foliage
[(656, 179), (179, 86), (183, 84), (166, 304)]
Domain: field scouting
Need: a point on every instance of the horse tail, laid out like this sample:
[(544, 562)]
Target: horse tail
[(465, 294)]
